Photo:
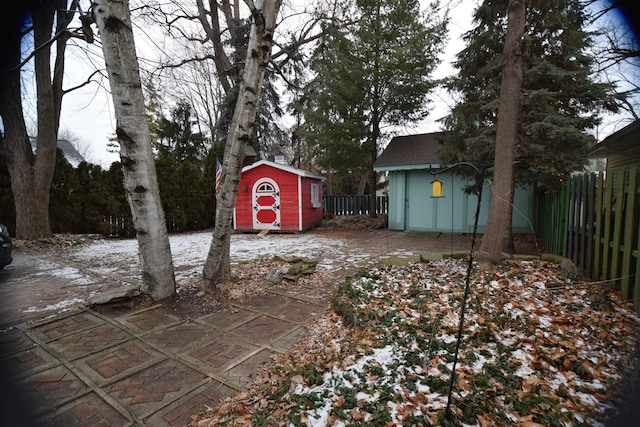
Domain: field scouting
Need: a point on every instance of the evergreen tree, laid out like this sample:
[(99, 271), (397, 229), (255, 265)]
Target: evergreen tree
[(116, 205), (180, 165), (175, 137), (166, 170), (92, 198), (193, 197), (370, 74), (64, 211), (560, 98), (268, 133)]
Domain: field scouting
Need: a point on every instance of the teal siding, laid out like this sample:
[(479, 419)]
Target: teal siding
[(411, 206), (420, 212), (396, 200)]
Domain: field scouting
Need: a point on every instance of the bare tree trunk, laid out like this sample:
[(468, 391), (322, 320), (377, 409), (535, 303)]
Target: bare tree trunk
[(498, 234), (31, 173), (114, 23), (217, 268), (373, 176)]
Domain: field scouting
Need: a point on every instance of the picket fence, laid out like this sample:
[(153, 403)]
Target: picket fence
[(335, 205), (353, 205), (594, 220)]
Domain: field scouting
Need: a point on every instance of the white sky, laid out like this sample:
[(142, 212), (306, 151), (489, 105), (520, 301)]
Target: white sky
[(88, 113)]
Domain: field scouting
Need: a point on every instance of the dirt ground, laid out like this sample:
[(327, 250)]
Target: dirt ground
[(23, 283), (370, 234), (30, 279)]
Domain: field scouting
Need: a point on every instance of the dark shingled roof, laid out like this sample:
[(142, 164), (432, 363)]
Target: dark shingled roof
[(410, 150), (622, 142), (70, 153)]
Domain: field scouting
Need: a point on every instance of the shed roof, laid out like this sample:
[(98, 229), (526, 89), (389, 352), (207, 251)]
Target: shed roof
[(409, 152), (625, 141), (286, 168)]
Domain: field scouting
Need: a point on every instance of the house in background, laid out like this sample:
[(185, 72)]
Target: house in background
[(275, 196), (70, 153), (621, 148), (409, 161)]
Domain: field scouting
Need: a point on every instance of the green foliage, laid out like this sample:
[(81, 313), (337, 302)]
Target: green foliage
[(560, 96), (87, 199), (370, 73), (268, 133), (175, 138), (182, 168), (185, 195), (116, 202)]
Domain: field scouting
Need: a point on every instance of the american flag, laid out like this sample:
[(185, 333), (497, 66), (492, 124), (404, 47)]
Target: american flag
[(218, 175)]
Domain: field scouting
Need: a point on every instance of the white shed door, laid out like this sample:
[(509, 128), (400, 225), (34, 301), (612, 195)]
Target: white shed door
[(266, 205)]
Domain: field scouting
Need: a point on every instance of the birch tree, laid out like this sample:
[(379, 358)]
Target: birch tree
[(217, 267), (132, 130)]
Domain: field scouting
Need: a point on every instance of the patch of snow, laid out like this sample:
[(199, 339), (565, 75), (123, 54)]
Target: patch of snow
[(61, 306), (544, 321), (189, 252), (447, 338)]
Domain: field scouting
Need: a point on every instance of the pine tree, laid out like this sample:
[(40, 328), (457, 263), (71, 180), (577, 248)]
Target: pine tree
[(371, 73), (560, 101), (560, 98)]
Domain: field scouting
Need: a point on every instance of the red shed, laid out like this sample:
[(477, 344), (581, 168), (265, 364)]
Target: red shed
[(274, 196)]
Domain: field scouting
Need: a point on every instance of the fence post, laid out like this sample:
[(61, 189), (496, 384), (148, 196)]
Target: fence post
[(630, 221), (583, 223), (600, 181), (572, 220), (636, 252), (591, 206), (617, 225), (607, 224)]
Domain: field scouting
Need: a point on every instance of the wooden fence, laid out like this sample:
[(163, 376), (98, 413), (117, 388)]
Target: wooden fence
[(118, 226), (353, 205), (594, 220), (336, 205)]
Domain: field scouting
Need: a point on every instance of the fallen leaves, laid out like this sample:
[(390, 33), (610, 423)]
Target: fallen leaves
[(531, 354)]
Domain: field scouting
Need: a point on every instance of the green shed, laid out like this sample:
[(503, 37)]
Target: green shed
[(408, 161)]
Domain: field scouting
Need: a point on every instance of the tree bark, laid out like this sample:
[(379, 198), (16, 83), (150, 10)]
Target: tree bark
[(498, 233), (31, 173), (217, 268), (373, 176), (140, 182)]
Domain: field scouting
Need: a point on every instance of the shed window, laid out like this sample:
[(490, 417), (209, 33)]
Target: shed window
[(266, 188), (316, 200)]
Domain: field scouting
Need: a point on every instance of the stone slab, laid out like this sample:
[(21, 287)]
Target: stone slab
[(56, 328), (179, 413), (118, 362), (217, 356), (264, 330), (149, 320), (153, 388), (89, 341), (87, 411), (182, 338)]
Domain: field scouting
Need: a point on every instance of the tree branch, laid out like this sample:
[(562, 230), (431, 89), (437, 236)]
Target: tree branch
[(36, 50), (65, 91)]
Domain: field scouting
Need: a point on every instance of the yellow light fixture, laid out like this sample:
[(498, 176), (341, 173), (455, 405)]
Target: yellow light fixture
[(436, 188)]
